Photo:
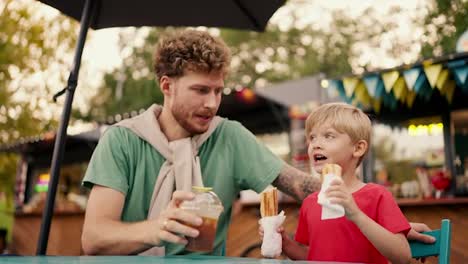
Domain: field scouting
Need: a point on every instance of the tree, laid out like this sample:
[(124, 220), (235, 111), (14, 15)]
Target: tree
[(132, 86), (258, 59), (444, 23), (34, 50), (345, 45)]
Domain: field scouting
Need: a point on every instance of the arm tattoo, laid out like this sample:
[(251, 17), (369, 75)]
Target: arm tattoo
[(296, 183)]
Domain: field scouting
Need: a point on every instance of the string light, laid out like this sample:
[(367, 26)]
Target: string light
[(246, 95), (324, 83)]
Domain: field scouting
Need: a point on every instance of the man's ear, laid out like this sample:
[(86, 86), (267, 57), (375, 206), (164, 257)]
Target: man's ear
[(165, 84), (360, 148)]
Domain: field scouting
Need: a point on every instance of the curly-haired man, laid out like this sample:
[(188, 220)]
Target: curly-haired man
[(144, 167)]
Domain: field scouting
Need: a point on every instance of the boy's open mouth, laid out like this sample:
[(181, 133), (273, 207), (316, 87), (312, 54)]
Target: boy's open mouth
[(319, 157)]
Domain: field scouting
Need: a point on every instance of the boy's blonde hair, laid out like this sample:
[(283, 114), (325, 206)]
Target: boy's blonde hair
[(344, 118)]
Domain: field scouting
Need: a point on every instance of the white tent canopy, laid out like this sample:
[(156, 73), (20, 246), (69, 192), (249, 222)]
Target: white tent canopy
[(297, 92)]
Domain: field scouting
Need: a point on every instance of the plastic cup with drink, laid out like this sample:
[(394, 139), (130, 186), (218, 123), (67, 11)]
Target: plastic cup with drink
[(207, 205)]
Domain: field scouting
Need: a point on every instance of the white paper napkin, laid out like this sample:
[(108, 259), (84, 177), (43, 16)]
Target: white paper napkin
[(329, 211), (272, 241)]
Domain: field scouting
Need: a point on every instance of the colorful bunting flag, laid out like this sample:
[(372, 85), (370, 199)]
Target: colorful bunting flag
[(422, 87), (337, 85), (350, 84), (399, 89), (393, 103), (377, 104), (449, 90), (410, 99), (389, 79), (420, 82), (432, 73), (411, 76), (390, 88), (332, 91), (371, 81), (461, 75), (361, 95), (443, 76), (390, 101), (380, 89)]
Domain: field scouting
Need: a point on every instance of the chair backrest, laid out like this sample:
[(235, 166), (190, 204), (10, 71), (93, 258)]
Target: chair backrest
[(441, 248)]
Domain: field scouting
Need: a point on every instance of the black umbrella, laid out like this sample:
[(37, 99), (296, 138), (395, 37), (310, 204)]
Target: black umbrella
[(241, 14)]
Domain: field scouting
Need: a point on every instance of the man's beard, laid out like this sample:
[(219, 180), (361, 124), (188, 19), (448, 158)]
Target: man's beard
[(182, 118)]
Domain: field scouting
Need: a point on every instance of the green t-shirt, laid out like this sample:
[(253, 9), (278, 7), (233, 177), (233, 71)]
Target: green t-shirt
[(231, 160)]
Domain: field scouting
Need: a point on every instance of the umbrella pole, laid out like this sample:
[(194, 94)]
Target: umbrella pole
[(59, 146)]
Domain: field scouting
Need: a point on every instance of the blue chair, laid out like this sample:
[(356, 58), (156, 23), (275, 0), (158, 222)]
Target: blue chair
[(441, 248)]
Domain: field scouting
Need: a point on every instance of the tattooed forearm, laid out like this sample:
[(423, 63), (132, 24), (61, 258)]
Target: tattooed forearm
[(296, 183), (285, 181), (310, 184)]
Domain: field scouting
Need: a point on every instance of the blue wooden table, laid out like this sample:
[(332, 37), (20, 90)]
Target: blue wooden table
[(146, 260)]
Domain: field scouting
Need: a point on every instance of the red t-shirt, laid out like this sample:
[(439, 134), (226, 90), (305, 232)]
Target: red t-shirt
[(340, 239)]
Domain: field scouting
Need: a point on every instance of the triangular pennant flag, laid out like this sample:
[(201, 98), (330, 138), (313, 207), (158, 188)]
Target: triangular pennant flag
[(358, 93), (443, 76), (390, 101), (425, 91), (404, 94), (380, 91), (428, 91), (350, 84), (389, 79), (411, 76), (461, 74), (377, 105), (410, 99), (399, 89), (332, 91), (432, 73), (362, 95), (385, 100), (449, 90), (337, 85), (419, 84), (371, 81)]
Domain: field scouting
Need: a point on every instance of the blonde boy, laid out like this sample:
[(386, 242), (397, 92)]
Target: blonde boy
[(374, 229)]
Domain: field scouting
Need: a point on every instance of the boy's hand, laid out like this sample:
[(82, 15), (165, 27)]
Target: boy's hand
[(337, 193), (260, 230), (415, 233)]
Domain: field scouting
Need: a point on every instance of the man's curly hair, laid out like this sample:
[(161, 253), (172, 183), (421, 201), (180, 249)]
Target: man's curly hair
[(191, 50)]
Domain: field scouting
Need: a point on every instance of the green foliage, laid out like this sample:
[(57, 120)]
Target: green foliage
[(443, 25), (132, 86), (29, 45), (269, 57), (284, 54), (279, 55)]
